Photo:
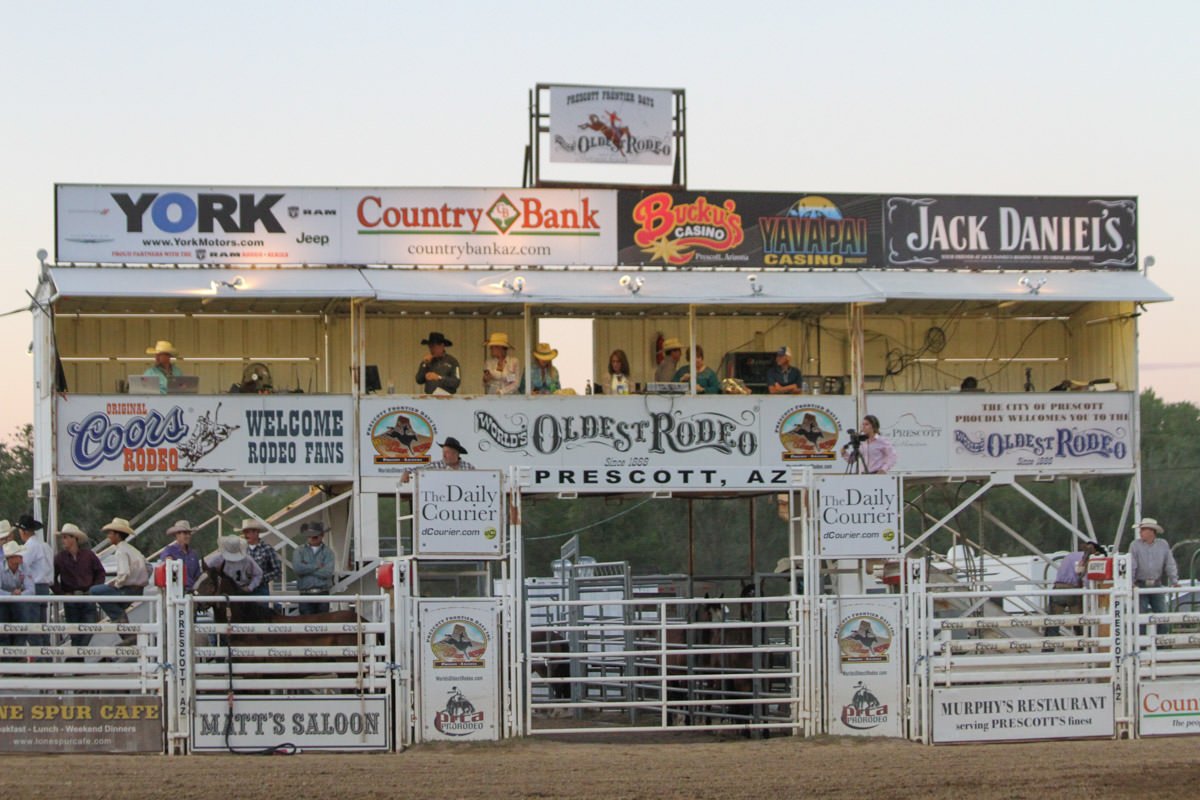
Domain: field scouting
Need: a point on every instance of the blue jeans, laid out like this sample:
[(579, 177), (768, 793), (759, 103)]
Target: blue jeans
[(15, 612), (1153, 604), (76, 613), (115, 611)]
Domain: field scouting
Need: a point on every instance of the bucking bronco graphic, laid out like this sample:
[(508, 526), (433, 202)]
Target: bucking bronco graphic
[(616, 132), (207, 436)]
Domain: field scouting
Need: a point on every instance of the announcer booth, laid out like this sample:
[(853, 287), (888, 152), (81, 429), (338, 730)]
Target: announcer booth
[(302, 312)]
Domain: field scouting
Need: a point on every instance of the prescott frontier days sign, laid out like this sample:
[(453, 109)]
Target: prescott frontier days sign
[(596, 227)]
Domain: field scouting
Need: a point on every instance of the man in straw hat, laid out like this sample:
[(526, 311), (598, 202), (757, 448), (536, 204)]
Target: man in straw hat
[(15, 582), (76, 570), (182, 550), (438, 370), (672, 354), (543, 378), (501, 370), (1153, 566), (132, 572), (231, 558), (163, 351), (263, 554)]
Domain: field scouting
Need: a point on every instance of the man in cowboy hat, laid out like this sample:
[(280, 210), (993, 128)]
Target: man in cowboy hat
[(543, 377), (501, 370), (672, 355), (182, 550), (1153, 566), (452, 458), (15, 581), (132, 572), (39, 563), (6, 532), (163, 351), (313, 565), (232, 559), (76, 570), (438, 369), (263, 554)]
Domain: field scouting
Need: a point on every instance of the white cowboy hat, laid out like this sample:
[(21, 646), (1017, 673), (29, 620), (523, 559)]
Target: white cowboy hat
[(72, 530), (120, 526), (233, 548), (544, 352), (6, 528), (498, 339), (180, 526), (162, 346), (252, 525), (13, 549), (1149, 522)]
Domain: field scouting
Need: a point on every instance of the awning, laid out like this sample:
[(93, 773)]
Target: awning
[(1031, 287), (202, 283)]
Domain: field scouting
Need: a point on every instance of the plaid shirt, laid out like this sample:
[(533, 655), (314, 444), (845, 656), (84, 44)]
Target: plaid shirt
[(265, 556)]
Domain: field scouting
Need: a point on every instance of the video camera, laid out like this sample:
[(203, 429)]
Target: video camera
[(856, 438)]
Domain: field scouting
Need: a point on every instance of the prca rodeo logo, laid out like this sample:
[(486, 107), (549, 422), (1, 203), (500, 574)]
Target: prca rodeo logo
[(459, 717), (864, 711)]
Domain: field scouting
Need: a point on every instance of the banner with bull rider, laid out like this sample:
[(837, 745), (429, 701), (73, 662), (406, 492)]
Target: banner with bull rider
[(459, 670), (864, 667)]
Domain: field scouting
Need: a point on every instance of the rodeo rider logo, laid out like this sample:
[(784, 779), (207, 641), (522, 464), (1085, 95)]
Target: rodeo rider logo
[(459, 642), (459, 717), (148, 441), (808, 433), (402, 436), (865, 639), (864, 711)]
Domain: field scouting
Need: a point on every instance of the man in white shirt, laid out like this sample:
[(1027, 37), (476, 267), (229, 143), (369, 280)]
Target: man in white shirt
[(39, 563), (132, 572)]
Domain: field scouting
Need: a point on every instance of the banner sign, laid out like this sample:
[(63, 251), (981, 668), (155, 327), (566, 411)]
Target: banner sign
[(864, 666), (459, 513), (1023, 711), (698, 229), (608, 125), (1169, 708), (310, 723), (207, 225), (286, 435), (972, 432), (459, 670), (934, 231), (858, 516), (603, 444), (81, 724)]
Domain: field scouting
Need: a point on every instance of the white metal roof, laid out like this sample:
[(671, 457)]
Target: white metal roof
[(201, 283), (1061, 287)]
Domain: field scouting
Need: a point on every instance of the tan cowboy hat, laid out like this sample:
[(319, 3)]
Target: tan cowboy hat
[(497, 339), (72, 530), (120, 526), (544, 352), (233, 548), (162, 346), (1149, 522), (180, 526), (252, 525), (13, 549), (672, 344)]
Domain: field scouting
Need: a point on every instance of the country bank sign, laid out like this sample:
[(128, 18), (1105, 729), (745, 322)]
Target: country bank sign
[(564, 227)]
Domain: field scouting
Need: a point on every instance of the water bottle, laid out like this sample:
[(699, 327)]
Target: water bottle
[(804, 387), (817, 386), (588, 388)]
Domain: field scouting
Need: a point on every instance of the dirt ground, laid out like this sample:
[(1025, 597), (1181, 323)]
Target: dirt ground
[(698, 767)]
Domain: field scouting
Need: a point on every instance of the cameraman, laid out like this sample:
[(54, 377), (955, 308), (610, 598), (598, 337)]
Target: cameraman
[(876, 453)]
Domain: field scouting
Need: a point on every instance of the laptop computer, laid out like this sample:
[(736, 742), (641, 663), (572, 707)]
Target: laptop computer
[(183, 384), (667, 387), (143, 384)]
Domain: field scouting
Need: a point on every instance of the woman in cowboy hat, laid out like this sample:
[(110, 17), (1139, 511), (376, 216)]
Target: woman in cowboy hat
[(163, 351), (438, 370), (501, 370), (672, 350), (544, 375), (76, 570), (182, 550)]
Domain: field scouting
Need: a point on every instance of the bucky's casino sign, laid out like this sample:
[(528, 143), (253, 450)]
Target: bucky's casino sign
[(256, 436)]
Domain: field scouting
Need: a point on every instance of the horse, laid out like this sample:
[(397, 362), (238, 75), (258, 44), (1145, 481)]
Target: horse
[(735, 669), (546, 642)]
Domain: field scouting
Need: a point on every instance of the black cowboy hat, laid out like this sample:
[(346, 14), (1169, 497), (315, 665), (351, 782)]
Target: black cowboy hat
[(28, 523), (436, 337), (314, 528), (453, 443)]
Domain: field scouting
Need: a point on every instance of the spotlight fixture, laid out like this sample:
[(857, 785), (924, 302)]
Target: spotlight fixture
[(634, 285), (1034, 285), (237, 283), (516, 285), (755, 286)]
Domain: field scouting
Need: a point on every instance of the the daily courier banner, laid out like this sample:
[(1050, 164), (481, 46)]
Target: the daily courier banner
[(303, 436), (298, 225), (600, 444), (1057, 432), (459, 512), (1021, 712), (858, 516), (937, 231), (777, 230), (864, 663), (599, 125)]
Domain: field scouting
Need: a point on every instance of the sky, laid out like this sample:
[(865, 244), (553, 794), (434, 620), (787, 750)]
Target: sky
[(1012, 97)]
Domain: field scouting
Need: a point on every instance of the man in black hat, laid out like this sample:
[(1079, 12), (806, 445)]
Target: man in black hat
[(439, 369), (452, 458)]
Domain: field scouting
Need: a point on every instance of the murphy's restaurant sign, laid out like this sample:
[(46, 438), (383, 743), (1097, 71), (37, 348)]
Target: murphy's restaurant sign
[(304, 436), (81, 724), (600, 444)]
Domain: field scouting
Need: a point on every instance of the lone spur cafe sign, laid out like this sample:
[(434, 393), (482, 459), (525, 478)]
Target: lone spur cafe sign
[(260, 435)]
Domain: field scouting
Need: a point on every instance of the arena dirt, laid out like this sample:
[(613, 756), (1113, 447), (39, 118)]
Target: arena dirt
[(702, 766)]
